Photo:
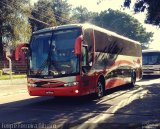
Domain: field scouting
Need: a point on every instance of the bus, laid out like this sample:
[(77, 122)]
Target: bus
[(81, 59), (151, 62)]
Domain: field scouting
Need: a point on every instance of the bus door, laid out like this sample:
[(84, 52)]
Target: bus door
[(86, 67)]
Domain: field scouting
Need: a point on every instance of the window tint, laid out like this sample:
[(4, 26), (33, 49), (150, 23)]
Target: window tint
[(88, 40), (84, 56), (152, 58), (114, 45)]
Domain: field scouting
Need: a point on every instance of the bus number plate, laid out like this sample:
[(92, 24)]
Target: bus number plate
[(49, 92)]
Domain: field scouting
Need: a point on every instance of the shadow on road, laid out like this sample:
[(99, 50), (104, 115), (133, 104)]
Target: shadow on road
[(62, 110), (142, 113), (51, 111), (70, 112)]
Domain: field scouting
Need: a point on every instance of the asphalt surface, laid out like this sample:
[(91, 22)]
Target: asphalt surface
[(122, 107)]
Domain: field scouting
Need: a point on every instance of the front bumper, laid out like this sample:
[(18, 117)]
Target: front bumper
[(62, 91)]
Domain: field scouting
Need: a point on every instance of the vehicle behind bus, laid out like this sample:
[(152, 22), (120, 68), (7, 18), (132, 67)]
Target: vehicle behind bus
[(151, 62)]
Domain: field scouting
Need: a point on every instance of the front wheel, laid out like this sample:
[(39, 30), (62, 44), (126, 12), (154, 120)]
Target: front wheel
[(100, 89)]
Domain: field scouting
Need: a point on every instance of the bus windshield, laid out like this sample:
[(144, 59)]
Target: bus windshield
[(53, 53), (151, 58)]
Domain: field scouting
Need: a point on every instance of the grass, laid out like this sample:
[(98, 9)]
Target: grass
[(7, 77)]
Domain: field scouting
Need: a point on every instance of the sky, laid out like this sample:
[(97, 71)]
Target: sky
[(92, 5)]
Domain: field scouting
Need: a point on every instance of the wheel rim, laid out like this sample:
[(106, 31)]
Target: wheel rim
[(100, 89)]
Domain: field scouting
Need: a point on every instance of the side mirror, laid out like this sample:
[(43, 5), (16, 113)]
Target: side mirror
[(21, 47), (78, 45)]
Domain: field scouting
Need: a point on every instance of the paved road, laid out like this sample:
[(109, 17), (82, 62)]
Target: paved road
[(136, 107), (12, 87)]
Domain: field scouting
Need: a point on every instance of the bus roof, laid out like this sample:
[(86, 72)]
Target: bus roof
[(150, 50), (85, 26), (68, 26)]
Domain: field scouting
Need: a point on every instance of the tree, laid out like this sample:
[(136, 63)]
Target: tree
[(123, 24), (61, 9), (42, 11), (47, 13), (152, 7), (14, 26), (81, 14)]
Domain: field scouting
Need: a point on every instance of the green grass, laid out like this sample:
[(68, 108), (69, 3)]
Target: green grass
[(7, 77)]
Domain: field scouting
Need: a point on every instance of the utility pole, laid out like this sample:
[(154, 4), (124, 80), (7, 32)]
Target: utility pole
[(10, 63)]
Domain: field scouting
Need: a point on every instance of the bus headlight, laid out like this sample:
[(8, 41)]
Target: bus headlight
[(32, 85), (76, 91), (71, 84)]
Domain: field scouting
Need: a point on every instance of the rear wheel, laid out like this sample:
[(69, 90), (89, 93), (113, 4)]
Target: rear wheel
[(133, 79), (100, 89)]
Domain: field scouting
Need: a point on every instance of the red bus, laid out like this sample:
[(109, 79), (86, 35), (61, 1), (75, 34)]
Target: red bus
[(80, 59)]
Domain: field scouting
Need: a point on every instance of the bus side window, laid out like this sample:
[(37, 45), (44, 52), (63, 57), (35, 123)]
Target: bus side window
[(84, 56), (85, 63), (90, 58), (88, 41)]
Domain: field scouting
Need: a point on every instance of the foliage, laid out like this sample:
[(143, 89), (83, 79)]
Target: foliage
[(61, 10), (52, 12), (14, 26), (123, 24), (43, 11), (152, 7), (81, 14), (116, 21)]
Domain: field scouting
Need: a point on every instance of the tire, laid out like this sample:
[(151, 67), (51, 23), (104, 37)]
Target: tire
[(133, 79), (100, 89)]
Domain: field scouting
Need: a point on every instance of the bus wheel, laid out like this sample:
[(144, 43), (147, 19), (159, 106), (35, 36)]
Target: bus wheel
[(100, 89), (133, 79)]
